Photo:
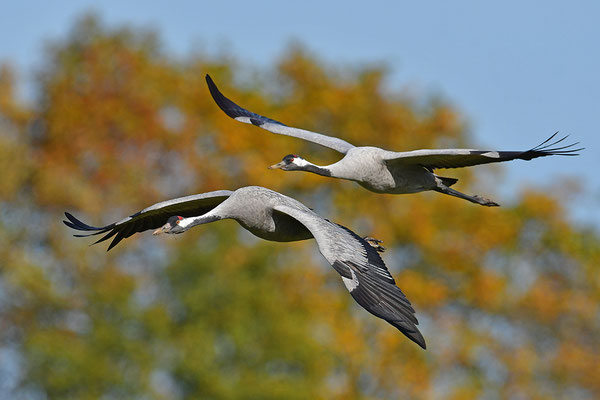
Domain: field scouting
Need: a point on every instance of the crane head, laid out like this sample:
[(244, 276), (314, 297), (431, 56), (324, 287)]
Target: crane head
[(172, 226), (290, 162)]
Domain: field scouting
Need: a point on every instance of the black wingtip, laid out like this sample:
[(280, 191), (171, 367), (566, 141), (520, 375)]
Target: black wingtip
[(75, 223), (226, 105), (216, 94), (115, 241), (232, 109), (417, 338), (209, 81), (69, 224), (549, 147), (411, 332)]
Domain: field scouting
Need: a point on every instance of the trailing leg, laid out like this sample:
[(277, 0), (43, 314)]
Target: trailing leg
[(473, 199)]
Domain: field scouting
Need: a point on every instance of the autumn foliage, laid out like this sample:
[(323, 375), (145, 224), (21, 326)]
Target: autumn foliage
[(507, 298)]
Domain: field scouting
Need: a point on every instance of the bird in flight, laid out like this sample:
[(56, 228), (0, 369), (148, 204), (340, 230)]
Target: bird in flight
[(273, 216), (384, 171)]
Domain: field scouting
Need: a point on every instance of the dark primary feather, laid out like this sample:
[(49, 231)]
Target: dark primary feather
[(458, 158), (387, 302), (377, 292), (242, 115), (374, 260), (152, 217), (232, 109), (355, 259)]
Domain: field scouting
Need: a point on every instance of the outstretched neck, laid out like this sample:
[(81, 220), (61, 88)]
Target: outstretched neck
[(190, 222)]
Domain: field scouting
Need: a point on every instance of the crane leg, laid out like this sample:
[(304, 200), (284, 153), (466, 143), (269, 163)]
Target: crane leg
[(473, 199)]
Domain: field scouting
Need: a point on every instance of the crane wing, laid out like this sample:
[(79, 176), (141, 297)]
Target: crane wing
[(151, 217), (457, 158), (241, 114), (362, 270)]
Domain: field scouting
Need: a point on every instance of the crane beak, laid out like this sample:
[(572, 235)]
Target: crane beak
[(162, 229), (276, 166)]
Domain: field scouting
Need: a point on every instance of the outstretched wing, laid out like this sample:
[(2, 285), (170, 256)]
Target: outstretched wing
[(457, 158), (151, 217), (241, 114), (362, 270)]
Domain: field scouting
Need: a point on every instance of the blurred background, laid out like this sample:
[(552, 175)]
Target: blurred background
[(104, 111)]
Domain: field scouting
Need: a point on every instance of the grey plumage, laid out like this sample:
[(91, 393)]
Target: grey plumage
[(384, 171), (273, 216)]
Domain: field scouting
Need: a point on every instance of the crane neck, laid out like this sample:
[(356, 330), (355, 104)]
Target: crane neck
[(316, 169), (190, 222)]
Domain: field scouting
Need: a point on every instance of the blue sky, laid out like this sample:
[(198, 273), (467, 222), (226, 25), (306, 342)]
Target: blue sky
[(518, 71)]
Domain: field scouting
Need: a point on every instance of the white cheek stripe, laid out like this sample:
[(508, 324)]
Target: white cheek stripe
[(184, 223), (351, 284), (300, 162)]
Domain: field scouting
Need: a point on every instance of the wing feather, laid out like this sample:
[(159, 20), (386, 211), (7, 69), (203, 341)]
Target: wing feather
[(241, 114), (151, 217), (458, 158), (362, 271)]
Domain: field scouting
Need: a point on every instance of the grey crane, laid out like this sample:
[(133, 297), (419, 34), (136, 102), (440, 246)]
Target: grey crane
[(273, 216), (384, 171)]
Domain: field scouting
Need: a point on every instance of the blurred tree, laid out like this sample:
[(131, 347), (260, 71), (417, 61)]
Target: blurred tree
[(507, 298)]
